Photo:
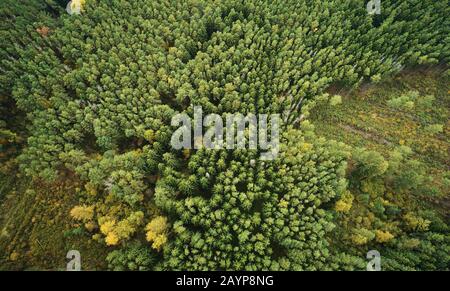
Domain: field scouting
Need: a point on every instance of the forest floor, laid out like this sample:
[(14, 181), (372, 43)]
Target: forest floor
[(36, 231), (364, 119)]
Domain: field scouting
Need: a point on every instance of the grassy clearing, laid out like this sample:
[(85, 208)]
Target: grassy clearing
[(364, 118), (36, 230)]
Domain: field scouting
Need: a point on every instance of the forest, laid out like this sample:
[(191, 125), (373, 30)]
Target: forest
[(89, 90)]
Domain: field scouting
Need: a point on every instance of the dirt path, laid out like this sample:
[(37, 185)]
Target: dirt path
[(365, 134)]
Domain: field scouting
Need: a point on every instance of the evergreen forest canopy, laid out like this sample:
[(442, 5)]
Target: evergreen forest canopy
[(91, 96)]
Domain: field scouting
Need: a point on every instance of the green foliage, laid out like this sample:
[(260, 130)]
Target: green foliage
[(425, 102), (434, 129), (135, 257), (404, 102), (362, 236), (388, 212), (23, 23), (99, 90), (369, 164), (335, 100), (268, 218), (105, 92), (404, 206)]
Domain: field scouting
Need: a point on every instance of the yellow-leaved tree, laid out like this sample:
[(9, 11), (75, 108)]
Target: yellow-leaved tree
[(157, 232), (82, 213), (115, 232), (345, 203), (383, 236)]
